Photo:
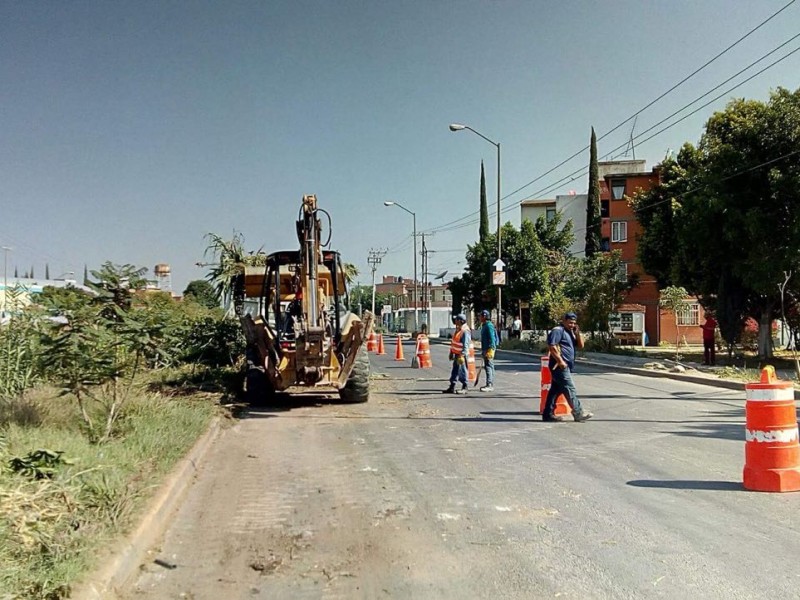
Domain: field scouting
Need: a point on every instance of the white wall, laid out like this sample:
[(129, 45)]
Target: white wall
[(571, 207)]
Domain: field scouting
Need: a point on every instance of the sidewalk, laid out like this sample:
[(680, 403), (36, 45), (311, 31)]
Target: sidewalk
[(659, 367)]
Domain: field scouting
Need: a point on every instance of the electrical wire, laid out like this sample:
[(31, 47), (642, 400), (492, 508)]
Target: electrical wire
[(583, 170), (446, 226)]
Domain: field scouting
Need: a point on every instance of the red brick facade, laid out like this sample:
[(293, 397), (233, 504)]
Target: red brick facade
[(620, 230)]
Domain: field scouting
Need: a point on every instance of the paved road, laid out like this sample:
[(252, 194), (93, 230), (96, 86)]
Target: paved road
[(423, 495)]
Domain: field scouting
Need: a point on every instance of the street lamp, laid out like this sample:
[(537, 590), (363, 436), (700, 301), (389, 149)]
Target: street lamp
[(6, 250), (460, 127), (414, 217)]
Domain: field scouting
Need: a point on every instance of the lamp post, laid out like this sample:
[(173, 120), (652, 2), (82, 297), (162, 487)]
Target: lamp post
[(6, 250), (414, 217), (460, 127)]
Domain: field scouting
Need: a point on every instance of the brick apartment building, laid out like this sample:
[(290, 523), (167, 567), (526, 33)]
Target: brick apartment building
[(620, 230)]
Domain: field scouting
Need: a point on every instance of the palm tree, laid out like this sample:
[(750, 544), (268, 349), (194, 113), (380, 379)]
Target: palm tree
[(227, 269), (350, 272)]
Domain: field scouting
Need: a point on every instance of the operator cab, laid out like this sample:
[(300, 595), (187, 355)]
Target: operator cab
[(275, 295)]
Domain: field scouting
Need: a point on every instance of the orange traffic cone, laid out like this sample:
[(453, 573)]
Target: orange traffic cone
[(562, 406), (380, 344), (398, 353), (472, 374), (772, 451), (372, 342)]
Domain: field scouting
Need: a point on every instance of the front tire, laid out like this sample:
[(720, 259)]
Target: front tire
[(356, 390)]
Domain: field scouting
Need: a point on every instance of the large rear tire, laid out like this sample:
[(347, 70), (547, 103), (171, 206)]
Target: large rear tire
[(357, 388)]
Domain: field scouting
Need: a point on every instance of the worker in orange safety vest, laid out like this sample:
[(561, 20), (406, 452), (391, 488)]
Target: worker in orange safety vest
[(459, 349)]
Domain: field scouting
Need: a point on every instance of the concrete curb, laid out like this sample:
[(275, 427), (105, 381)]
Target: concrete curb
[(731, 384), (129, 554), (722, 383)]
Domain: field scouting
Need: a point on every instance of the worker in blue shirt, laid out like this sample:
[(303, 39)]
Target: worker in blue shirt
[(561, 343), (489, 343)]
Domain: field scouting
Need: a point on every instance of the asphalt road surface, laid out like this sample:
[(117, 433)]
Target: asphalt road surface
[(417, 494)]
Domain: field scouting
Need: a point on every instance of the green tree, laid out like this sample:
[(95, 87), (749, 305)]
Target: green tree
[(97, 356), (597, 290), (47, 270), (525, 252), (484, 226), (592, 246), (673, 299), (737, 225), (202, 292), (115, 286), (61, 301), (659, 210)]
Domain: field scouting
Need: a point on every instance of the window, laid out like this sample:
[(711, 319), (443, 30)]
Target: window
[(619, 231), (550, 214), (605, 245), (603, 209), (690, 315), (618, 189), (622, 272)]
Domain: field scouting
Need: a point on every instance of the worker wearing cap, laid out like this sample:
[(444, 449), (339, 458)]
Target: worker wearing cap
[(459, 347), (561, 343), (488, 346)]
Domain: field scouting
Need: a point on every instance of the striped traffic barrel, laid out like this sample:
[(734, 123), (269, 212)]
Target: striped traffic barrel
[(546, 380), (772, 450)]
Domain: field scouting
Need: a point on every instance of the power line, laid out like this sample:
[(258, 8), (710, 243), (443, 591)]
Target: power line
[(726, 178), (445, 226), (583, 170), (651, 103)]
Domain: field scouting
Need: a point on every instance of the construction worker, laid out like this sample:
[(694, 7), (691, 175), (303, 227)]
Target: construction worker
[(561, 342), (488, 346), (459, 349)]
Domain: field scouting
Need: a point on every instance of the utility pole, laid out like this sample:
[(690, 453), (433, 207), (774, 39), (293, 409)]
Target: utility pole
[(425, 309), (6, 250), (374, 259), (426, 284)]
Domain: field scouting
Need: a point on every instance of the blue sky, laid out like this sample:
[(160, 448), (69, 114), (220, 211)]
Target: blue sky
[(130, 130)]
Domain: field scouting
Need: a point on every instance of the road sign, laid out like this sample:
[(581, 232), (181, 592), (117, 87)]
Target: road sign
[(498, 277), (499, 265)]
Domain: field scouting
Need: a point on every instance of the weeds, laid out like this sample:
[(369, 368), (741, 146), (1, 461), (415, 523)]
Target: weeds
[(52, 528)]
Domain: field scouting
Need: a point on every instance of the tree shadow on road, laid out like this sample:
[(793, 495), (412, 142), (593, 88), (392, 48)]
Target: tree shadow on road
[(725, 431)]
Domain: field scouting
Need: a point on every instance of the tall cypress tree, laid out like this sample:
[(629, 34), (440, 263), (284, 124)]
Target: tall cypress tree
[(85, 274), (16, 272), (484, 228), (593, 203), (47, 271), (32, 275)]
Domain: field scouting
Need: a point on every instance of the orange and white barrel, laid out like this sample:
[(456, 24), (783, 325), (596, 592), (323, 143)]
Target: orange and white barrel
[(472, 374), (772, 447), (562, 406), (424, 352), (546, 380)]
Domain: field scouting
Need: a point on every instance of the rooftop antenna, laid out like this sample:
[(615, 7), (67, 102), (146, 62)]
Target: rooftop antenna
[(631, 145)]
